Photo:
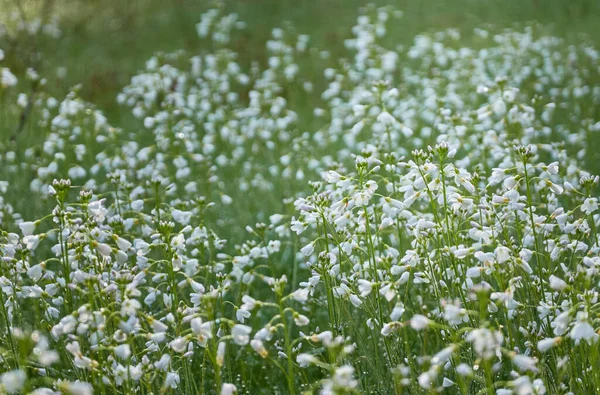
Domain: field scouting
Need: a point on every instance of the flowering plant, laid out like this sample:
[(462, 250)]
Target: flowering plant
[(430, 225)]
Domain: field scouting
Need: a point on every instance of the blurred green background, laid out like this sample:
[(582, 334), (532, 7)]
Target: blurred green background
[(105, 42)]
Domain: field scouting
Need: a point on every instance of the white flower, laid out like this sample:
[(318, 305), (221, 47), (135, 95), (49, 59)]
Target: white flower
[(326, 337), (241, 334), (464, 370), (7, 78), (557, 284), (35, 272), (226, 199), (444, 355), (502, 254), (583, 330), (242, 314), (137, 205), (123, 351), (259, 347), (474, 272), (524, 362), (553, 168), (79, 388), (461, 253), (97, 210), (497, 176), (13, 381), (249, 303), (397, 312), (301, 295), (485, 258), (172, 380), (301, 320), (163, 362), (305, 359), (27, 228), (426, 379), (307, 249), (183, 217), (364, 287), (178, 241), (362, 198), (419, 322), (455, 315), (343, 378), (31, 242), (523, 385), (221, 353), (509, 95), (333, 177), (386, 118), (42, 391), (179, 344), (589, 205), (546, 344), (123, 244), (557, 189), (390, 328), (447, 383), (561, 323), (485, 341), (499, 107), (130, 307), (355, 300), (103, 249), (228, 389), (385, 223), (158, 326)]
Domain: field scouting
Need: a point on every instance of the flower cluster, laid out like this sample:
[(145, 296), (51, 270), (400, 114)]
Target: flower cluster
[(426, 223)]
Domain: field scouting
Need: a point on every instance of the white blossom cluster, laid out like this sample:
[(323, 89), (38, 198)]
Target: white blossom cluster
[(416, 219)]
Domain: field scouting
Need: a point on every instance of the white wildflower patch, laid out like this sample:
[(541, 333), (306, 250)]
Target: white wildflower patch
[(429, 224)]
